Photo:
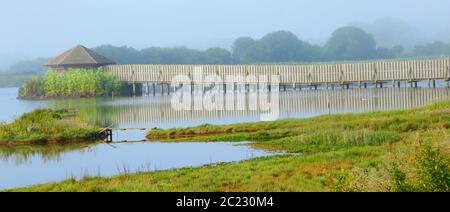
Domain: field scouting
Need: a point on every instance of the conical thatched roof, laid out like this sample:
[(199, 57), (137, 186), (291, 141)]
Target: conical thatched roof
[(79, 56)]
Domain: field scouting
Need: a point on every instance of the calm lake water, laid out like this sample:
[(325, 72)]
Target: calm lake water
[(23, 166)]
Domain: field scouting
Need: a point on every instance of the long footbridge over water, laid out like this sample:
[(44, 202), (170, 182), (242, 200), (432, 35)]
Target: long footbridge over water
[(344, 75)]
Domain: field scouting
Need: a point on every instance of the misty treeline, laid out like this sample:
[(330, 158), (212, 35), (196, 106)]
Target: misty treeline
[(345, 44), (156, 55)]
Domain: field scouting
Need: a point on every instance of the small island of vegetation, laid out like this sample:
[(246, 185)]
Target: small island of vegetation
[(47, 126), (72, 83)]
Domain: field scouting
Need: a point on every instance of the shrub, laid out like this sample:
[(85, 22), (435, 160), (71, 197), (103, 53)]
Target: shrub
[(431, 173), (72, 83), (433, 170), (33, 87), (398, 179), (344, 182)]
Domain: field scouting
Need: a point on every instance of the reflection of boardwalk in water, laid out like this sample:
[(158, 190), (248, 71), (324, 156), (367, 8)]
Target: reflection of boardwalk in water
[(144, 110), (362, 100)]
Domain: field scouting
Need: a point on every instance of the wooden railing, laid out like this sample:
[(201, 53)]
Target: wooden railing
[(312, 74)]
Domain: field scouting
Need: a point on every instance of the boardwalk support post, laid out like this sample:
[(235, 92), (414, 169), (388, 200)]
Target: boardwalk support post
[(447, 76), (153, 89), (168, 89)]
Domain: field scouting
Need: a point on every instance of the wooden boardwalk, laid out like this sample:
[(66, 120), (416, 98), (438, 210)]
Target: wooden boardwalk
[(362, 73)]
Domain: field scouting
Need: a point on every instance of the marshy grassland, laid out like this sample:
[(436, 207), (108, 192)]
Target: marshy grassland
[(396, 151), (46, 126)]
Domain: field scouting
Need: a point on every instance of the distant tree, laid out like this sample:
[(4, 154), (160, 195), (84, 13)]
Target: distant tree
[(156, 55), (280, 46), (398, 50), (28, 66), (432, 49), (351, 43), (240, 47), (217, 56), (151, 55), (384, 53), (254, 54), (389, 32), (390, 53), (179, 55), (122, 55)]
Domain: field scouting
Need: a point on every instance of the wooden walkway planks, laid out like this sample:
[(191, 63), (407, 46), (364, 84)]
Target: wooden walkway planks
[(312, 74)]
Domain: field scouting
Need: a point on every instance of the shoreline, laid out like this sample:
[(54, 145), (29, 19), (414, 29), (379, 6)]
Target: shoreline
[(55, 142), (42, 98), (349, 152), (48, 127)]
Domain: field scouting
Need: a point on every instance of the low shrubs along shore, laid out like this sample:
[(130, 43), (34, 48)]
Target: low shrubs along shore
[(405, 150), (46, 126)]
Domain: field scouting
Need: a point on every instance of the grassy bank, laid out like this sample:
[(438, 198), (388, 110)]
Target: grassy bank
[(46, 126), (380, 151)]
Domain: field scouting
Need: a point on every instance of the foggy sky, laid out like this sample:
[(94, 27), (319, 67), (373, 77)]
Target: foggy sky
[(47, 27)]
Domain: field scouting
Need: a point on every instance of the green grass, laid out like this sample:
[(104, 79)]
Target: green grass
[(378, 151), (323, 133), (44, 126)]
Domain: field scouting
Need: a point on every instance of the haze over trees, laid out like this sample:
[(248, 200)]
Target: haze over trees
[(156, 55), (19, 72), (26, 67), (389, 32), (433, 49), (350, 43), (275, 47), (345, 44)]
